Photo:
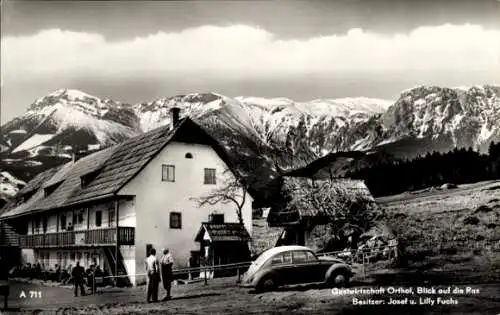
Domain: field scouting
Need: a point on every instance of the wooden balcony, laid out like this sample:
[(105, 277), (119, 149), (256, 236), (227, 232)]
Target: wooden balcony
[(96, 237)]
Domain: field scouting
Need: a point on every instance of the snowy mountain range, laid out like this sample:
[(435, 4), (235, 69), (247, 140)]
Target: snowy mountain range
[(9, 186), (278, 132)]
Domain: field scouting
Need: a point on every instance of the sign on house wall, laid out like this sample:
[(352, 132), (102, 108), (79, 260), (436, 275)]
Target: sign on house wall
[(79, 238)]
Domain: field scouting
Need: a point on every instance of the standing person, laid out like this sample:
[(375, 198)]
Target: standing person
[(153, 271), (78, 274), (4, 281), (166, 263)]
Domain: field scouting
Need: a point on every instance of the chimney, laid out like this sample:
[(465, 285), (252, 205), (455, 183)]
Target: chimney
[(175, 111), (77, 155)]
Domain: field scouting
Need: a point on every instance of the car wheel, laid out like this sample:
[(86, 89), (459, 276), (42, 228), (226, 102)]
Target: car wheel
[(266, 284), (339, 280)]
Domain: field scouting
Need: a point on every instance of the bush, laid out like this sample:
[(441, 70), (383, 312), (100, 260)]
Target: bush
[(483, 209), (471, 220)]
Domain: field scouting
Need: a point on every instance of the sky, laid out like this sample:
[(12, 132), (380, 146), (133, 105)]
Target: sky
[(135, 51)]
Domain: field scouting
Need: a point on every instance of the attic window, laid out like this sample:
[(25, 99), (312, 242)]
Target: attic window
[(50, 189), (86, 179), (28, 195), (189, 156)]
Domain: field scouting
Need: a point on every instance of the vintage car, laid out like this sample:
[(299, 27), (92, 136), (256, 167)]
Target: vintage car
[(289, 265)]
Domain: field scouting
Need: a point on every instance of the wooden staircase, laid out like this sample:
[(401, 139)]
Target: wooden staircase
[(109, 252)]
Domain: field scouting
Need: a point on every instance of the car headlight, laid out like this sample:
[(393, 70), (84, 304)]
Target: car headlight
[(249, 279)]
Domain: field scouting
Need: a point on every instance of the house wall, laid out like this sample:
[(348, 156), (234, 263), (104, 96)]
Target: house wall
[(317, 237), (128, 254), (155, 199)]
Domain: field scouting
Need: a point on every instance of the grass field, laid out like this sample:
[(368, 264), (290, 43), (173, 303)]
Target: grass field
[(454, 225)]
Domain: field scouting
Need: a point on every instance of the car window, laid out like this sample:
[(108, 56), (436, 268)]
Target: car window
[(277, 259), (282, 258), (287, 257), (299, 257), (311, 257)]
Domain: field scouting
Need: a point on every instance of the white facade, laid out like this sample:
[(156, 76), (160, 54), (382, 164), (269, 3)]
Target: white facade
[(156, 199), (153, 199)]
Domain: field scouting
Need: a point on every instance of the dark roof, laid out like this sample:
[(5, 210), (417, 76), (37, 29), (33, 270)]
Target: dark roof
[(297, 197), (39, 180), (8, 237), (223, 232), (264, 236), (333, 165), (115, 167)]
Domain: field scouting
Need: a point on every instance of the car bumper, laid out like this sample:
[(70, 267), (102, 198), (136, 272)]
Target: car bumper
[(246, 285)]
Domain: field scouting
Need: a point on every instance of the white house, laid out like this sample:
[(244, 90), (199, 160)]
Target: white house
[(113, 205)]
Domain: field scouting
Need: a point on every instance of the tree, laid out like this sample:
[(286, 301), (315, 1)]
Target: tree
[(351, 211), (234, 189), (231, 191)]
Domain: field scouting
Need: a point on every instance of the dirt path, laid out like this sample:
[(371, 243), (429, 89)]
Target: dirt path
[(221, 296)]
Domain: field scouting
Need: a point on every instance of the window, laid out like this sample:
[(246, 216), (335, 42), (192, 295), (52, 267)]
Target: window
[(175, 220), (63, 222), (72, 256), (209, 176), (86, 179), (189, 156), (111, 217), (50, 189), (168, 173), (299, 257), (98, 218), (65, 259), (311, 257), (59, 258), (282, 258), (46, 260), (80, 216), (37, 225), (45, 223), (28, 195)]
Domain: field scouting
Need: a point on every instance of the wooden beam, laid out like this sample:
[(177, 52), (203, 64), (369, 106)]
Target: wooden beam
[(117, 203), (88, 218)]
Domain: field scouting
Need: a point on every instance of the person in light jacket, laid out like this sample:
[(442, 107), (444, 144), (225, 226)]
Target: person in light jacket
[(166, 263), (153, 271)]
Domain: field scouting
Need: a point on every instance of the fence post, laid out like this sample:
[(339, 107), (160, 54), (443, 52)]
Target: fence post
[(205, 274), (93, 284), (363, 263)]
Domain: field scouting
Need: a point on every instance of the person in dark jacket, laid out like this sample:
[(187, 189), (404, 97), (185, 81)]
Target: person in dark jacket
[(4, 280), (78, 274), (57, 273)]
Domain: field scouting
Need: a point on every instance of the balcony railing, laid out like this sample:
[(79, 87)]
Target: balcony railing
[(95, 237)]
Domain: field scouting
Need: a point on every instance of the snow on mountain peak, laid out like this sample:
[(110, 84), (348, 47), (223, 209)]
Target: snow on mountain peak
[(465, 115), (72, 94)]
